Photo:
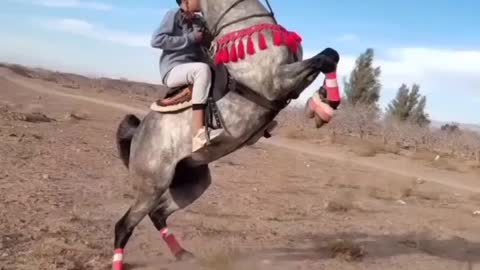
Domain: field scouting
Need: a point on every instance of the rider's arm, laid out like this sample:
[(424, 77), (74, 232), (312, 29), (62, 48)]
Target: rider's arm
[(164, 37)]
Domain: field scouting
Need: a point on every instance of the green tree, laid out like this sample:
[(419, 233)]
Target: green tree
[(409, 105), (363, 86), (418, 115)]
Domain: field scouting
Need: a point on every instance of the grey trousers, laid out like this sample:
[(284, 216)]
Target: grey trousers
[(196, 73)]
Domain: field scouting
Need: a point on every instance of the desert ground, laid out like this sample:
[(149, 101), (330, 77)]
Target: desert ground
[(281, 204)]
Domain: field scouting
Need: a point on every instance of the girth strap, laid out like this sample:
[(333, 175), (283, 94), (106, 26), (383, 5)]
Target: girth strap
[(271, 105)]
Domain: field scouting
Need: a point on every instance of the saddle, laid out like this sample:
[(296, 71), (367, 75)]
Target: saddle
[(180, 98)]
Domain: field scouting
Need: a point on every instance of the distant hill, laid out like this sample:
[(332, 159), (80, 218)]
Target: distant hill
[(101, 84)]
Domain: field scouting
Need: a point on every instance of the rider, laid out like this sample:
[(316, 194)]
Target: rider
[(184, 62)]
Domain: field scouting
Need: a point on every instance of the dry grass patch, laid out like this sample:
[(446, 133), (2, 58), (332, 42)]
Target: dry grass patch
[(381, 194), (445, 164), (77, 115), (365, 150), (220, 257), (344, 249), (341, 204)]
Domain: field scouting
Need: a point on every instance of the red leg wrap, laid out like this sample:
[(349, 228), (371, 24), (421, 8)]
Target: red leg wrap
[(171, 241), (118, 259)]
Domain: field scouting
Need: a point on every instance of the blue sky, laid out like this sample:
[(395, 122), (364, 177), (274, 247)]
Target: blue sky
[(433, 43)]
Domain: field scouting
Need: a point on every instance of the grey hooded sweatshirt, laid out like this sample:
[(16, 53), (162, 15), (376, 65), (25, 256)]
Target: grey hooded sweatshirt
[(176, 38)]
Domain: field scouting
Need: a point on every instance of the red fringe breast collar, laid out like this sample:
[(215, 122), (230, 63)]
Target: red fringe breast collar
[(231, 48)]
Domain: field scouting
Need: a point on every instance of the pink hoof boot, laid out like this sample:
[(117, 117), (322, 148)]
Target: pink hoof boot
[(117, 263), (180, 253)]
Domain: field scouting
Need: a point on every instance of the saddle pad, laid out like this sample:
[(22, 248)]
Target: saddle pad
[(180, 101)]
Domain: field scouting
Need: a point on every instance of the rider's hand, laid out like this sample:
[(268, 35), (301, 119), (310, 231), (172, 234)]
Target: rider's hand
[(198, 36)]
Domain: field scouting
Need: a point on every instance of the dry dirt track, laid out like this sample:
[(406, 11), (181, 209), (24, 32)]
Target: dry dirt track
[(63, 189), (464, 182)]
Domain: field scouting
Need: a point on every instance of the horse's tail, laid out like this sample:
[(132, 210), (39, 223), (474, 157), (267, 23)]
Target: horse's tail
[(125, 132)]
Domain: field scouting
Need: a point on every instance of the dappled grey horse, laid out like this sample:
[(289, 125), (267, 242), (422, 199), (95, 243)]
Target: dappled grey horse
[(265, 61)]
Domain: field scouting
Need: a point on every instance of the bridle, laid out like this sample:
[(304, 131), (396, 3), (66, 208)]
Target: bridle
[(216, 29)]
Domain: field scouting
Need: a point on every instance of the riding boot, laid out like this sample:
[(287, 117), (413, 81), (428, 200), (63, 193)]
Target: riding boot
[(200, 139)]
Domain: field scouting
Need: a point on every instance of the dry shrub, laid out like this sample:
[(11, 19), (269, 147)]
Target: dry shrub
[(381, 194), (220, 258), (78, 115), (364, 123), (339, 205), (345, 249), (445, 164), (366, 150), (33, 117), (354, 120), (343, 203), (424, 155), (71, 86)]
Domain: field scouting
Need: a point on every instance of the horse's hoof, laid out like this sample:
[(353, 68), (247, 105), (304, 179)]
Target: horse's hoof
[(185, 255)]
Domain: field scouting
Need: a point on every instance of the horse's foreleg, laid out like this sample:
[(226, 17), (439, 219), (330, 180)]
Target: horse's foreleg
[(299, 75), (159, 219)]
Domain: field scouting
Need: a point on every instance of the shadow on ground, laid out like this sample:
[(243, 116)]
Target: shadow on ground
[(383, 246)]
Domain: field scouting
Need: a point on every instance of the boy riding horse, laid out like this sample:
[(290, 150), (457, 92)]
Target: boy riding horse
[(184, 61)]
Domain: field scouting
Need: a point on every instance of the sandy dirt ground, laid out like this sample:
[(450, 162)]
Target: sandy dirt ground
[(281, 204)]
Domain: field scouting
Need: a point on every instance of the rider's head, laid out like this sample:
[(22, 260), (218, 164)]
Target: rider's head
[(190, 5)]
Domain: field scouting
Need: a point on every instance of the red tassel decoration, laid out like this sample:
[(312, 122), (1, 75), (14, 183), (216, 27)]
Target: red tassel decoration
[(233, 53), (250, 46), (226, 57), (297, 37), (277, 37), (262, 43), (291, 42), (222, 55), (241, 50)]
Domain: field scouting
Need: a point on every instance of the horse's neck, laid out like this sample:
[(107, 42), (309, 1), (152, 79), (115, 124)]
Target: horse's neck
[(214, 10)]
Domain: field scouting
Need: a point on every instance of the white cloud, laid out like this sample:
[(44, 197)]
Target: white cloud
[(74, 4), (97, 32), (442, 74)]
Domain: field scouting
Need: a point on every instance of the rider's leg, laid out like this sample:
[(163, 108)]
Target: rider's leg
[(198, 74), (201, 88)]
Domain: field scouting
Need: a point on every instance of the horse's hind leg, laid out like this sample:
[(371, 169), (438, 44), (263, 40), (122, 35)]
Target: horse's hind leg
[(188, 185), (144, 204), (159, 220)]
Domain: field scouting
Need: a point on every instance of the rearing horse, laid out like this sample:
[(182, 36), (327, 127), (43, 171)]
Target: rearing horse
[(157, 149)]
